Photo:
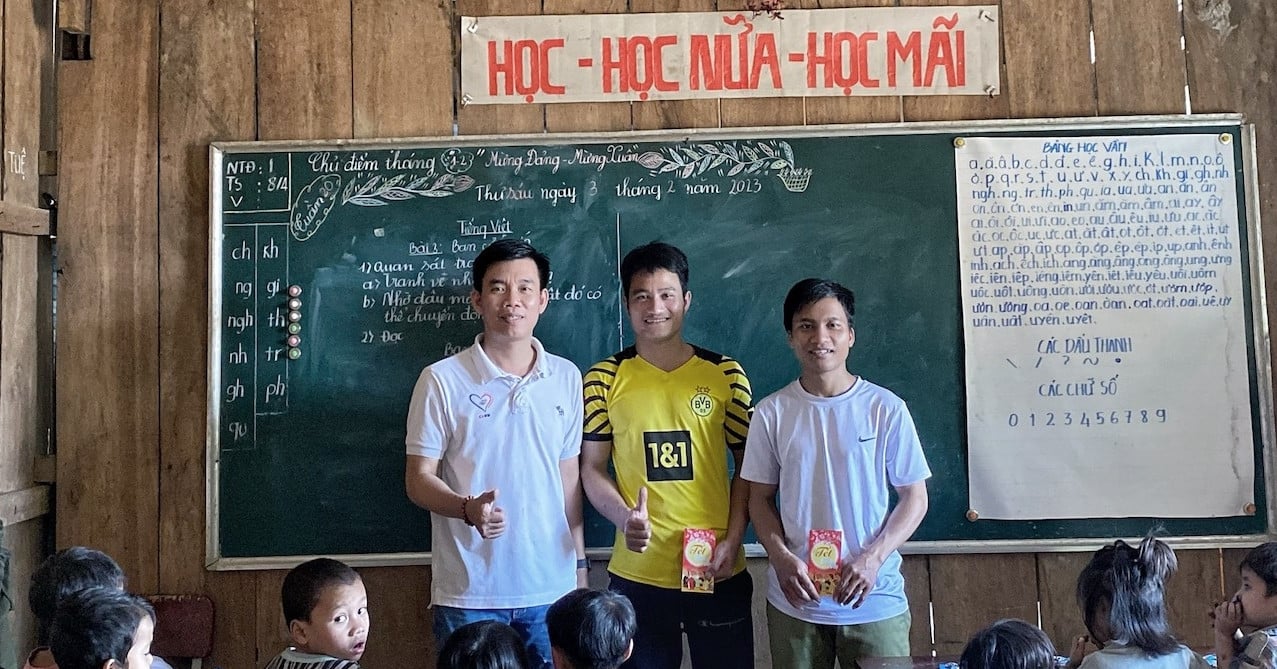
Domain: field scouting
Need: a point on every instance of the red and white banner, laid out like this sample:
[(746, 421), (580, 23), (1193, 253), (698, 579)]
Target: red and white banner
[(625, 57)]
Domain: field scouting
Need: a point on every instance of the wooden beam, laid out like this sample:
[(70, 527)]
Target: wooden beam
[(73, 15), (108, 295), (206, 62), (402, 63), (20, 506), (21, 219)]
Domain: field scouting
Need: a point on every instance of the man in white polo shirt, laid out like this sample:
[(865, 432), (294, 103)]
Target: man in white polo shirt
[(820, 456), (493, 438)]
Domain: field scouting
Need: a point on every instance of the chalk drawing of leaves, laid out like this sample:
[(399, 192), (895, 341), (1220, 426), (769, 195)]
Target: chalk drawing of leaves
[(370, 186), (349, 191), (378, 192), (697, 159), (789, 153), (651, 160)]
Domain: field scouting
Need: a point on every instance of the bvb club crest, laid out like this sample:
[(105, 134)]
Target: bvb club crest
[(702, 403)]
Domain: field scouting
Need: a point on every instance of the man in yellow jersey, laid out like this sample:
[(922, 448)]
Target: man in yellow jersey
[(666, 413)]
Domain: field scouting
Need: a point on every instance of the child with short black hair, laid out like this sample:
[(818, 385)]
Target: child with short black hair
[(103, 628), (1253, 608), (1008, 644), (484, 644), (591, 629), (1121, 594), (62, 574), (326, 607)]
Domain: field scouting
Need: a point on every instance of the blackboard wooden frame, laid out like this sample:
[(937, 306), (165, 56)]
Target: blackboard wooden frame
[(1261, 371)]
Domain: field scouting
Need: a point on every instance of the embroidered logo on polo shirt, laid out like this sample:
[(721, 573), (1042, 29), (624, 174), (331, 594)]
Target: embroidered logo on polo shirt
[(702, 404), (482, 401)]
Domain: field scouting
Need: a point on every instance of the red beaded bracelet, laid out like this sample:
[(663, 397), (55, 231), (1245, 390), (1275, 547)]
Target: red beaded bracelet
[(465, 516)]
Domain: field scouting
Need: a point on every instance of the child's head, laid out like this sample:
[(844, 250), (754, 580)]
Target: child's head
[(1120, 592), (326, 607), (1258, 592), (65, 572), (103, 628), (591, 629), (486, 644), (1008, 644)]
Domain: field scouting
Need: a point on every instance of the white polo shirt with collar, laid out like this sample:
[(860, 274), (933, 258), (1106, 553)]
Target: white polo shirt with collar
[(492, 429)]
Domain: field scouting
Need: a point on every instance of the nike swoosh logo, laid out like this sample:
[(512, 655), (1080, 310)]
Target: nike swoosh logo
[(869, 438)]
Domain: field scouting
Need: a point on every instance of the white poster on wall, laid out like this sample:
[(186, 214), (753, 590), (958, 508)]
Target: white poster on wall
[(1105, 327)]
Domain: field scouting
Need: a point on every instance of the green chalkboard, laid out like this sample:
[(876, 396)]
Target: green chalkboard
[(375, 240)]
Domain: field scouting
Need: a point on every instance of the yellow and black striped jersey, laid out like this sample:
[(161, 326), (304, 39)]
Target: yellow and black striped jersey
[(670, 431)]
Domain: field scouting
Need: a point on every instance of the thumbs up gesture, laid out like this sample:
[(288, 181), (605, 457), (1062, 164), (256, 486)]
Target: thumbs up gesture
[(485, 515), (638, 527)]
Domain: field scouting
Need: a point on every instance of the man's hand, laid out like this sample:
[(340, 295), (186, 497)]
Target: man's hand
[(795, 582), (725, 553), (857, 577), (638, 527), (488, 518)]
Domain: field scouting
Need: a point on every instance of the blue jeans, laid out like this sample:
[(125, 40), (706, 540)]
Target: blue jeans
[(528, 622), (719, 626)]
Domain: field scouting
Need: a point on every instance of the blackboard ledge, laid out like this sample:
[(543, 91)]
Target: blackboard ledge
[(756, 551), (381, 559), (1079, 545)]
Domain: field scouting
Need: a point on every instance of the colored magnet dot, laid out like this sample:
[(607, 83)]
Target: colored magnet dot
[(294, 341), (294, 304), (294, 353), (959, 142), (973, 515), (294, 328), (294, 290), (294, 316)]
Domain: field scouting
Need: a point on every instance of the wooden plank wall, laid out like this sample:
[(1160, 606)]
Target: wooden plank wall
[(26, 69), (132, 346)]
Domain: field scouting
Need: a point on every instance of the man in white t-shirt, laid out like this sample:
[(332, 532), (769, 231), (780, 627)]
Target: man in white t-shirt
[(820, 455), (494, 433)]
